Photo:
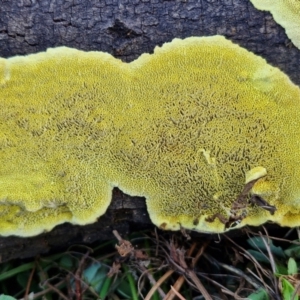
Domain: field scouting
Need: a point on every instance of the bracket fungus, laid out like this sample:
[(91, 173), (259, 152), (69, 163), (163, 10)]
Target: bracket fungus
[(286, 13), (199, 128)]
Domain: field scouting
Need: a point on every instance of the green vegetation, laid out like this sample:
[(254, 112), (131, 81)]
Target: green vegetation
[(157, 266)]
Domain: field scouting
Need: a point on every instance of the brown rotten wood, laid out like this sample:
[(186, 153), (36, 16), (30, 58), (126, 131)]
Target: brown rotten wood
[(126, 29)]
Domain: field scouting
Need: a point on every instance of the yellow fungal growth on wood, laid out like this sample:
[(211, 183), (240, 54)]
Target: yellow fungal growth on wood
[(255, 173), (187, 127), (286, 13)]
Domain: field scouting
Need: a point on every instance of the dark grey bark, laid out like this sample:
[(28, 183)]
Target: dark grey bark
[(125, 214), (126, 29)]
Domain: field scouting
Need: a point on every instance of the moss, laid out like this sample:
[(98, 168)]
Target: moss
[(286, 13), (183, 127)]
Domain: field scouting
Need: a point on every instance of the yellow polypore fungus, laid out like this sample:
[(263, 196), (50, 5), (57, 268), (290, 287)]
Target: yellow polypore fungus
[(187, 127), (286, 13)]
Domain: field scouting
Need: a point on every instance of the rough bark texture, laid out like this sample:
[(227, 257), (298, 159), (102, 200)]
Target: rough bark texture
[(126, 29), (123, 215)]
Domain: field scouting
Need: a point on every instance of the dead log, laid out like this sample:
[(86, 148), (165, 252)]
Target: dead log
[(126, 29)]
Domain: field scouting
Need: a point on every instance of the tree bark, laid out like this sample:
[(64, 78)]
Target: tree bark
[(124, 215), (126, 29)]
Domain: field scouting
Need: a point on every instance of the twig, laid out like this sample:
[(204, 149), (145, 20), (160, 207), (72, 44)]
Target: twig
[(223, 288), (151, 280), (199, 284), (180, 280), (257, 267), (158, 283), (77, 277), (29, 282), (267, 245), (194, 277), (177, 293), (274, 238), (55, 289), (236, 297), (44, 292), (157, 242), (117, 235), (177, 286), (272, 262), (240, 273), (190, 273), (255, 262), (199, 253)]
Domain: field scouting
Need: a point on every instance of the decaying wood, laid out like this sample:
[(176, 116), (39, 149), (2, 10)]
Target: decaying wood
[(126, 29), (125, 214)]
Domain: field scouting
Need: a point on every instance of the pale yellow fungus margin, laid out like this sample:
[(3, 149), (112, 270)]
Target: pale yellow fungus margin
[(187, 127), (286, 13)]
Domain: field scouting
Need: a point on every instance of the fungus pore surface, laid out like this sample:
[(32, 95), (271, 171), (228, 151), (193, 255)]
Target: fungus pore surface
[(286, 13), (187, 127)]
